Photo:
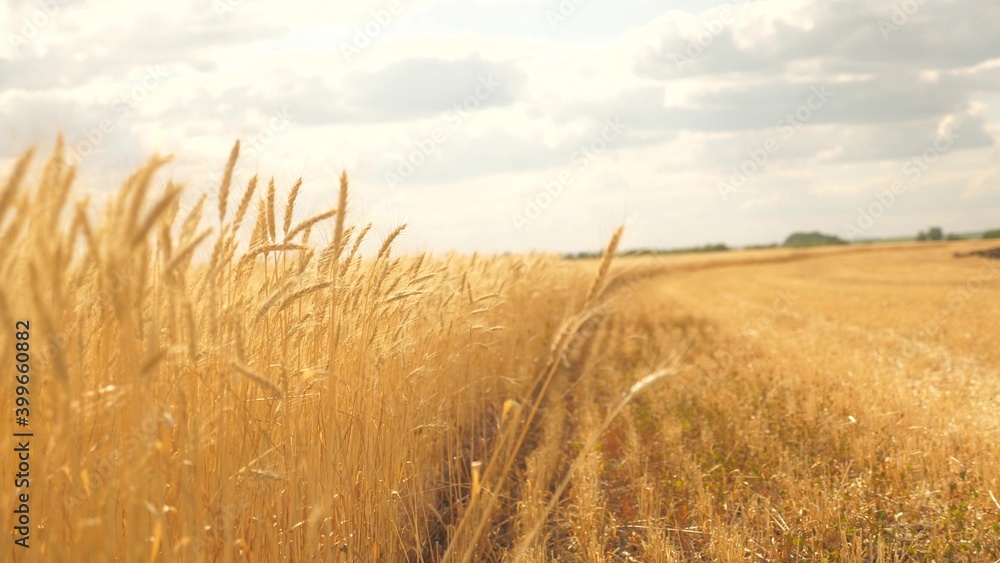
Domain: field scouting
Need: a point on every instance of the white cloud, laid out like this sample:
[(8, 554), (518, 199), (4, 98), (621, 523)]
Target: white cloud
[(696, 87)]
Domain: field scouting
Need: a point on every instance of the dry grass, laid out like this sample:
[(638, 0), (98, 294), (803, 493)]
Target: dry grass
[(281, 401)]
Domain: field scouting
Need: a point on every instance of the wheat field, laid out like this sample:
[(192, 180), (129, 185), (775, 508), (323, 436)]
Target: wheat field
[(233, 381)]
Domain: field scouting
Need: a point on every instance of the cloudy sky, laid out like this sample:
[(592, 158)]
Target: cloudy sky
[(498, 125)]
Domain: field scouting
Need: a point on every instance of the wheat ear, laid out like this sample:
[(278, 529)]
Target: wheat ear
[(227, 180)]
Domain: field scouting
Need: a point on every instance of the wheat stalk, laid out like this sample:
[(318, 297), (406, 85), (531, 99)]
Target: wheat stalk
[(172, 193), (388, 241), (227, 179), (267, 249), (140, 183), (309, 223), (270, 210), (241, 211), (609, 254), (13, 183), (185, 252), (338, 228), (266, 385), (290, 207)]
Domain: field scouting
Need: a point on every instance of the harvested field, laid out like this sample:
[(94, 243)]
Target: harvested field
[(840, 407)]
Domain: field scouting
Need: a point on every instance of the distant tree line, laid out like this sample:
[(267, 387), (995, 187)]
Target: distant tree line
[(815, 238), (795, 240), (937, 234), (651, 251), (932, 234)]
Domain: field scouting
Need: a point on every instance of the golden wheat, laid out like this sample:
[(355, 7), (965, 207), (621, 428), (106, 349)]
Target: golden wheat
[(283, 402)]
